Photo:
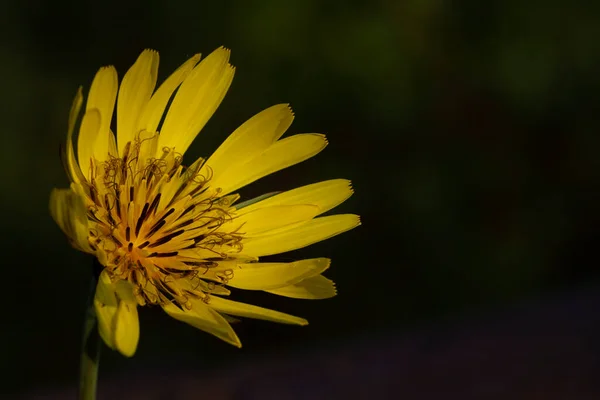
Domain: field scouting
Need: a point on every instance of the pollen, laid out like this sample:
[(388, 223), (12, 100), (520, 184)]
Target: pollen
[(156, 224)]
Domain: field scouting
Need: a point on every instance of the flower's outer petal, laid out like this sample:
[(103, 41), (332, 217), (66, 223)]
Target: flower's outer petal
[(94, 138), (250, 139), (314, 288), (326, 195), (267, 276), (265, 219), (205, 318), (88, 133), (254, 200), (196, 101), (301, 235), (246, 310), (69, 160), (282, 154), (230, 319), (116, 310), (69, 212), (135, 92), (106, 147), (155, 109), (127, 325), (106, 306)]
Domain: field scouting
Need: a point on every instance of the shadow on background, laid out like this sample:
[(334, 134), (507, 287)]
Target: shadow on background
[(470, 133)]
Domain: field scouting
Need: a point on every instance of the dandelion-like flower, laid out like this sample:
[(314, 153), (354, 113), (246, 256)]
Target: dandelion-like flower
[(176, 236)]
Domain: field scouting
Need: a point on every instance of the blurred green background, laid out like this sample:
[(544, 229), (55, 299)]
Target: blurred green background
[(469, 129)]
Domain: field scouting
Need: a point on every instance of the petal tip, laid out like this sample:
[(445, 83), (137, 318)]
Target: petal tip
[(126, 352), (223, 52), (324, 138), (321, 137), (349, 186), (285, 108), (148, 51), (324, 264), (108, 69)]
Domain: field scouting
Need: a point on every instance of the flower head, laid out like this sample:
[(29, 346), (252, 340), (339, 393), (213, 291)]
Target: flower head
[(176, 236)]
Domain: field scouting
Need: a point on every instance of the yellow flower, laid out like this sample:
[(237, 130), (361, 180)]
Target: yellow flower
[(175, 236)]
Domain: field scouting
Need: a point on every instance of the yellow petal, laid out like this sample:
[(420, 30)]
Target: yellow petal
[(246, 310), (280, 155), (302, 235), (86, 143), (264, 219), (127, 325), (196, 101), (106, 305), (112, 145), (102, 96), (251, 138), (247, 203), (267, 276), (204, 318), (116, 310), (316, 287), (69, 212), (69, 160), (326, 195), (105, 146), (155, 108), (134, 94)]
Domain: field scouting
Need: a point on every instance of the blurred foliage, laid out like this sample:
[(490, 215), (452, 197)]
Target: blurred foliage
[(470, 130)]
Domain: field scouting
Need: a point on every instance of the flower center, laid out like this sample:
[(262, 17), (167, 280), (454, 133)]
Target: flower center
[(159, 225)]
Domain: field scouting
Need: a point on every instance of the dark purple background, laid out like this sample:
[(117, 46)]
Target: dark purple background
[(547, 349)]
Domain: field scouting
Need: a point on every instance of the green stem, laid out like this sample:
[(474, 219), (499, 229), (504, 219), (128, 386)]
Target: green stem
[(90, 354)]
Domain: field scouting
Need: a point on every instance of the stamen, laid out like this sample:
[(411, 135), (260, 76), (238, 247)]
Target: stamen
[(181, 225), (141, 219), (187, 210), (177, 193), (93, 195), (154, 204), (157, 276), (170, 254), (207, 264), (118, 202), (126, 152), (156, 227), (165, 239), (117, 241), (196, 190), (198, 238), (169, 212)]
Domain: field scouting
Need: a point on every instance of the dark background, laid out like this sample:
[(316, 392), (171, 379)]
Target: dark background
[(469, 129)]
